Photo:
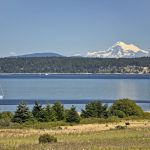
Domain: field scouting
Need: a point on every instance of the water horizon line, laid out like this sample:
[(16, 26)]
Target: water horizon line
[(63, 101)]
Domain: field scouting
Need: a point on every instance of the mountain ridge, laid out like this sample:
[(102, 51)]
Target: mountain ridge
[(120, 50), (46, 54)]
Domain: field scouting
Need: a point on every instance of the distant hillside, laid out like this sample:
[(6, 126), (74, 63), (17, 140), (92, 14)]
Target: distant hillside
[(74, 65), (41, 55)]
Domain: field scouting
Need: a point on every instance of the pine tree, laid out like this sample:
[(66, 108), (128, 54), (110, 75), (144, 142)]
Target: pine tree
[(95, 109), (50, 114), (72, 115), (59, 111), (22, 113), (37, 111)]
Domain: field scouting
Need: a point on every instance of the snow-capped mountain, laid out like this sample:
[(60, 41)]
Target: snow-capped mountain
[(120, 50)]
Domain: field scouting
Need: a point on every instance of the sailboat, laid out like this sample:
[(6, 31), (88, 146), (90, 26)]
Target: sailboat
[(2, 93)]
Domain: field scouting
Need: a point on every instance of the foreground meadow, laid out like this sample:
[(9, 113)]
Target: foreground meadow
[(77, 137)]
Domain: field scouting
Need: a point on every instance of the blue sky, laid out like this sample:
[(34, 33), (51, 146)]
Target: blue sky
[(70, 27)]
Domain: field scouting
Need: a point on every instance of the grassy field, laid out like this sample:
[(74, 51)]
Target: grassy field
[(79, 137)]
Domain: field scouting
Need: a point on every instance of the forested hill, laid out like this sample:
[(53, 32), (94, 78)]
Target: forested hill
[(74, 65)]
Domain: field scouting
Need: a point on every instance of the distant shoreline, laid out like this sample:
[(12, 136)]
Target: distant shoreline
[(68, 101), (78, 73), (73, 76)]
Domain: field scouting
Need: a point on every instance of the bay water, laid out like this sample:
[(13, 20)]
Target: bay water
[(79, 88)]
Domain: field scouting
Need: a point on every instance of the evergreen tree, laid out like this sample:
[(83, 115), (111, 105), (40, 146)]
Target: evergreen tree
[(59, 111), (42, 117), (37, 111), (95, 109), (72, 115), (22, 113), (50, 114)]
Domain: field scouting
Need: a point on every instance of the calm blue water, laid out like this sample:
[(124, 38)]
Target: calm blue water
[(75, 87)]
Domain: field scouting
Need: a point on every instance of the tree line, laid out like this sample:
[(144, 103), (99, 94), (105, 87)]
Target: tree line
[(56, 112), (73, 65)]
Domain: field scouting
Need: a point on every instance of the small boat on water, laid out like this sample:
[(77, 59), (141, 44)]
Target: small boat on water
[(2, 93)]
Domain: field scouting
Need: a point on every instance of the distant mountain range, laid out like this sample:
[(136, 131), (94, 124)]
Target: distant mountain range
[(41, 55), (120, 50)]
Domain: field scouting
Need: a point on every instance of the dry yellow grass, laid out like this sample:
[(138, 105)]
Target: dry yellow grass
[(81, 128), (88, 136)]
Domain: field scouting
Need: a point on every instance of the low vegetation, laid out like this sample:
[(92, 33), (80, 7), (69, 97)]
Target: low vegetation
[(47, 138)]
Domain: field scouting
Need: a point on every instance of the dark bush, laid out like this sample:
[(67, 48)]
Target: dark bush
[(46, 138), (127, 123)]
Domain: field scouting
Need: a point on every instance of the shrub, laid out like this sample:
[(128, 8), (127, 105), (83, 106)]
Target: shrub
[(46, 138), (119, 113), (127, 123), (125, 108), (5, 122), (95, 109), (72, 115), (6, 115)]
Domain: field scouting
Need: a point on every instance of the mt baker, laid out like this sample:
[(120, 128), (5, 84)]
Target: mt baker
[(120, 50)]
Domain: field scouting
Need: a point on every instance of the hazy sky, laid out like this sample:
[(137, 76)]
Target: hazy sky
[(70, 27)]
